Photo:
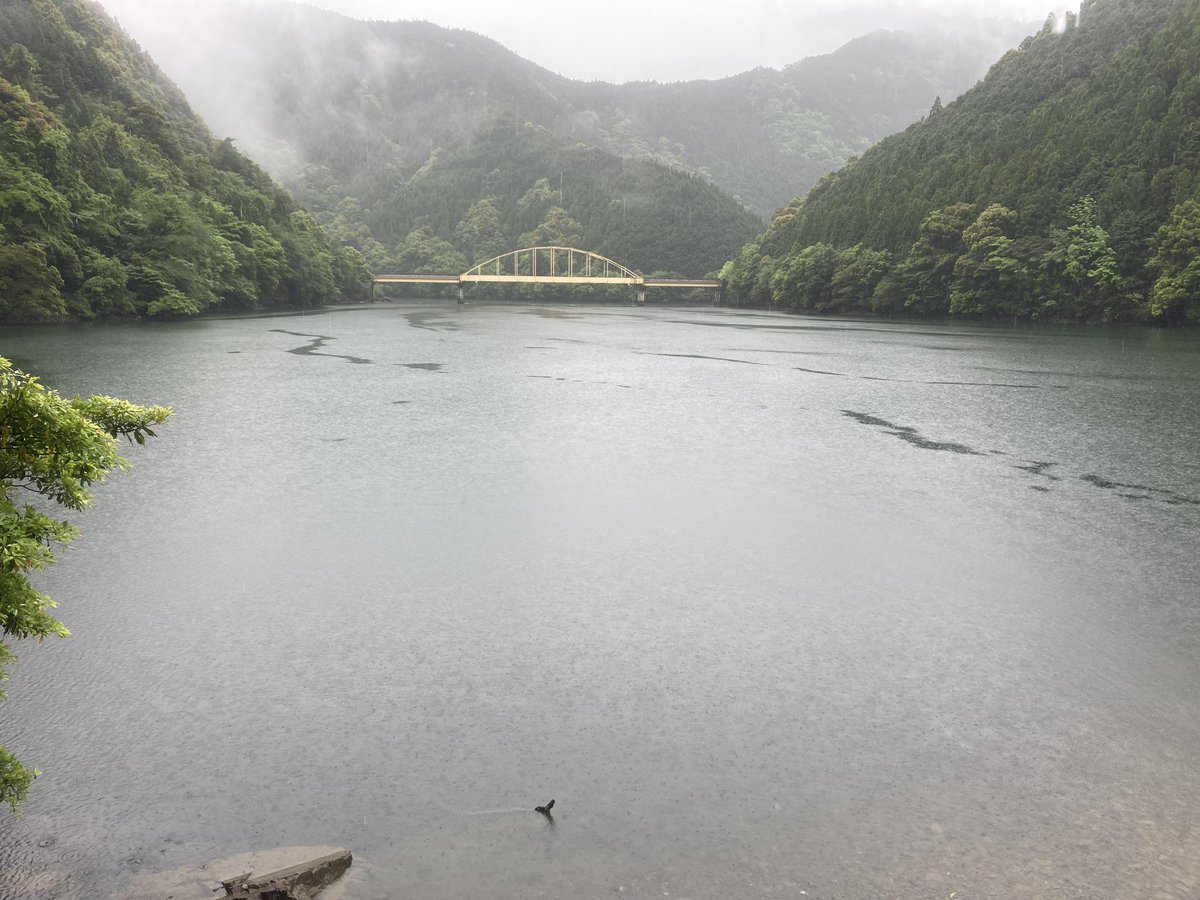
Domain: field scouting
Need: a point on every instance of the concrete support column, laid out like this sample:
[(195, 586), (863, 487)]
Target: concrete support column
[(460, 294)]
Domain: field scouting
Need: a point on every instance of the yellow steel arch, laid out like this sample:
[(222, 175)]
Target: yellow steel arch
[(560, 265)]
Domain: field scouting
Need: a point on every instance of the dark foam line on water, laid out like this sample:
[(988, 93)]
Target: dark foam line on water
[(911, 435), (1145, 492), (313, 347), (744, 362), (1040, 469), (882, 329), (1036, 468), (1091, 376), (431, 321), (783, 352), (990, 384), (997, 384), (627, 387), (822, 372)]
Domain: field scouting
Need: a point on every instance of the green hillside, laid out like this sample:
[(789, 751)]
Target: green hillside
[(116, 201), (1064, 187)]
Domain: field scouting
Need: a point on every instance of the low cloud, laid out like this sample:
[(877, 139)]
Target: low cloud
[(672, 40)]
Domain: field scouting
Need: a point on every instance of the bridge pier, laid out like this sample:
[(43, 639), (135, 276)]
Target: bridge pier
[(641, 295), (460, 295)]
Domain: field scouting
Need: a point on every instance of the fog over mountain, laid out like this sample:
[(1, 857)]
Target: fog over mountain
[(764, 135), (674, 40)]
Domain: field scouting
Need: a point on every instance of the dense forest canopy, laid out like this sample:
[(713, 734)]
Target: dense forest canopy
[(1064, 187), (116, 200), (392, 132)]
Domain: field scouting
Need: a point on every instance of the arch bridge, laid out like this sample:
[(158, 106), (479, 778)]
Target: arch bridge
[(553, 265)]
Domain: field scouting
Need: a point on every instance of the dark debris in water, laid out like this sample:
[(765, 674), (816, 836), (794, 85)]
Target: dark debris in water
[(425, 367), (316, 342), (911, 435)]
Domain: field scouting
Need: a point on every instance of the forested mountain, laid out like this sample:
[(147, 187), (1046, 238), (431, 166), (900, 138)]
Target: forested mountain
[(769, 135), (1064, 187), (392, 132), (116, 200)]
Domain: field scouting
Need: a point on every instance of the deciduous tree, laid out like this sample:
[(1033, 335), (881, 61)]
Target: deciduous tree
[(1176, 292), (52, 450)]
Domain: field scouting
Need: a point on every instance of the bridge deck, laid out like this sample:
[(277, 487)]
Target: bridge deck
[(416, 279), (548, 279), (682, 282)]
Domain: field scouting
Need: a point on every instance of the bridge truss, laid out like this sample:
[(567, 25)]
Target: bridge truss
[(553, 265)]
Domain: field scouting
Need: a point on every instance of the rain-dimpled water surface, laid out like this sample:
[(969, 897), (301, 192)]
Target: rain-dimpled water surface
[(772, 607)]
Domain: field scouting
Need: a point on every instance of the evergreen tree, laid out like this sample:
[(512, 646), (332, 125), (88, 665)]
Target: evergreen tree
[(480, 234), (988, 277)]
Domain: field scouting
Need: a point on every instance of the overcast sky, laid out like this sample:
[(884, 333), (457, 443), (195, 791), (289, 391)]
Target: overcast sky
[(672, 40)]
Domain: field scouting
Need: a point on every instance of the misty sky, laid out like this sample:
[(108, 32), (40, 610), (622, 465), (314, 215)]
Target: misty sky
[(672, 40)]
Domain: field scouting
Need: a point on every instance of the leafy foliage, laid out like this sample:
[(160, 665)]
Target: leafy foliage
[(1061, 188), (115, 200), (1176, 263), (55, 449)]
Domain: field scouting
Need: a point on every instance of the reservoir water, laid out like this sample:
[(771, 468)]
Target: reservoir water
[(771, 606)]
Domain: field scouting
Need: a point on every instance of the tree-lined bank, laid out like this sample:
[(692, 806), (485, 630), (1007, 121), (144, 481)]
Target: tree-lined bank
[(115, 200), (1065, 187)]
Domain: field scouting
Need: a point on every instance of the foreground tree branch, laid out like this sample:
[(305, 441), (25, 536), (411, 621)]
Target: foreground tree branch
[(57, 449)]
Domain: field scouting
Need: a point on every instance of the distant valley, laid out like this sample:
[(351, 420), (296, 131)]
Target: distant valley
[(394, 133)]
